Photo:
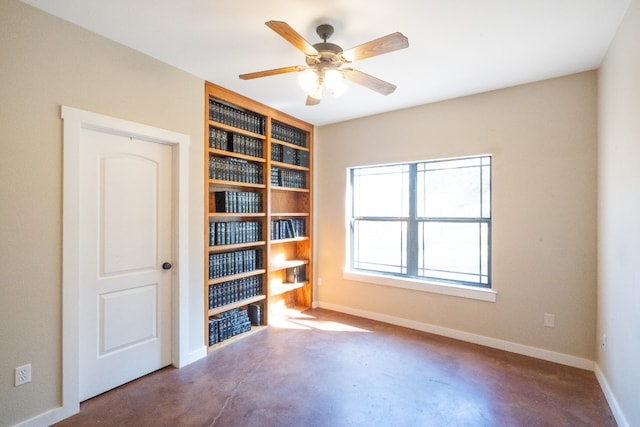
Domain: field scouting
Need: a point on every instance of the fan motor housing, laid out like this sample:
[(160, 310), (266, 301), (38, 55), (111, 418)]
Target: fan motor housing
[(328, 47)]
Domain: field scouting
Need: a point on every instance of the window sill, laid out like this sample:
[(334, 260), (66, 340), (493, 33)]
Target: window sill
[(461, 291)]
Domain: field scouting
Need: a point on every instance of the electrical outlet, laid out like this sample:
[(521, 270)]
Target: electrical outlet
[(550, 320), (23, 374), (604, 342), (319, 281)]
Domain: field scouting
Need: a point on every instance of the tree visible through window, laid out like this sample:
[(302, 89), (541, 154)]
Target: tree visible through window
[(429, 220)]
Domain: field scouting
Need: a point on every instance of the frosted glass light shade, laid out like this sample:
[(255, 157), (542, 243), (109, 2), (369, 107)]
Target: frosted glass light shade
[(307, 80), (334, 81)]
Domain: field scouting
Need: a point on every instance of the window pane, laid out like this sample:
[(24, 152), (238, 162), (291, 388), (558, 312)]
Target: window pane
[(486, 190), (454, 188), (381, 191), (380, 246), (454, 251)]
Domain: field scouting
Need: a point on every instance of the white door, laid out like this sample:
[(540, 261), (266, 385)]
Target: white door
[(125, 238)]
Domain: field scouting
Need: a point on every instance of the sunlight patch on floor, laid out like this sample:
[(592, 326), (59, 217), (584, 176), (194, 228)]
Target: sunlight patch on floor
[(292, 318)]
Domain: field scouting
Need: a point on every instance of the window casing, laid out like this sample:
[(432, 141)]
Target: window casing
[(428, 220)]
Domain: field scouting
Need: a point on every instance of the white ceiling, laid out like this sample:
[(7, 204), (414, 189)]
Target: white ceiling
[(456, 47)]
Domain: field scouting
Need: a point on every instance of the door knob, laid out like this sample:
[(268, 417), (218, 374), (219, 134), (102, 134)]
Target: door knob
[(166, 266)]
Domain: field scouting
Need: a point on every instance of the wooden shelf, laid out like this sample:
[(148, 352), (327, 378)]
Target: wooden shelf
[(289, 144), (290, 214), (237, 304), (235, 130), (214, 182), (288, 264), (236, 214), (289, 166), (285, 287), (236, 276), (293, 239), (236, 155), (224, 248), (299, 190)]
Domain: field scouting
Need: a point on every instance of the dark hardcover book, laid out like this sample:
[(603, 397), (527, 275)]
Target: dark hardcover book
[(288, 155), (276, 152), (276, 178), (302, 158), (255, 314), (214, 331), (290, 230), (222, 201)]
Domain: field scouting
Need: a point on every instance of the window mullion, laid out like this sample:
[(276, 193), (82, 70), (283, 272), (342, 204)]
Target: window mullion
[(412, 223)]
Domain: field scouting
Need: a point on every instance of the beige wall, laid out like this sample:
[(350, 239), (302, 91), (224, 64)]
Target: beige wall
[(619, 217), (46, 62), (543, 139)]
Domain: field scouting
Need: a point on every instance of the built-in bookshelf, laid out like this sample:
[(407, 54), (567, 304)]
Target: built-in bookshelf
[(258, 221)]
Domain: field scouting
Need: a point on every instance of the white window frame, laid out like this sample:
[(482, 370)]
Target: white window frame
[(409, 282)]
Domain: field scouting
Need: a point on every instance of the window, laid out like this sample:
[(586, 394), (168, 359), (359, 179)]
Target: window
[(428, 220)]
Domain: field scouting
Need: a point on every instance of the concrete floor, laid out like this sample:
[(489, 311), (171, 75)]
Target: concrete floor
[(323, 368)]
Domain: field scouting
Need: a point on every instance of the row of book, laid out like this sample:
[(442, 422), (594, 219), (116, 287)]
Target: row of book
[(287, 228), (222, 294), (231, 169), (241, 119), (288, 178), (233, 142), (228, 324), (230, 263), (288, 134), (286, 154), (234, 232), (237, 201)]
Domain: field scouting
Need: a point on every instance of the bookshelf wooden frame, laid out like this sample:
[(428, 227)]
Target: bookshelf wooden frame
[(278, 203)]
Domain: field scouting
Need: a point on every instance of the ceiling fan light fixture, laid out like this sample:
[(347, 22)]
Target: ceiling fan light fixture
[(308, 80), (316, 89), (324, 62), (334, 80)]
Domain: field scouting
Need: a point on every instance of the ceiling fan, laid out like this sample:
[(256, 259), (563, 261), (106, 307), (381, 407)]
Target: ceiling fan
[(325, 61)]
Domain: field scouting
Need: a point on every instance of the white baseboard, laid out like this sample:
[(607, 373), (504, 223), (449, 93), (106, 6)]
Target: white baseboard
[(611, 398), (47, 418), (539, 353), (191, 357)]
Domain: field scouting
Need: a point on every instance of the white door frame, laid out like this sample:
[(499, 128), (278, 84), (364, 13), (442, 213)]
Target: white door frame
[(74, 121)]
